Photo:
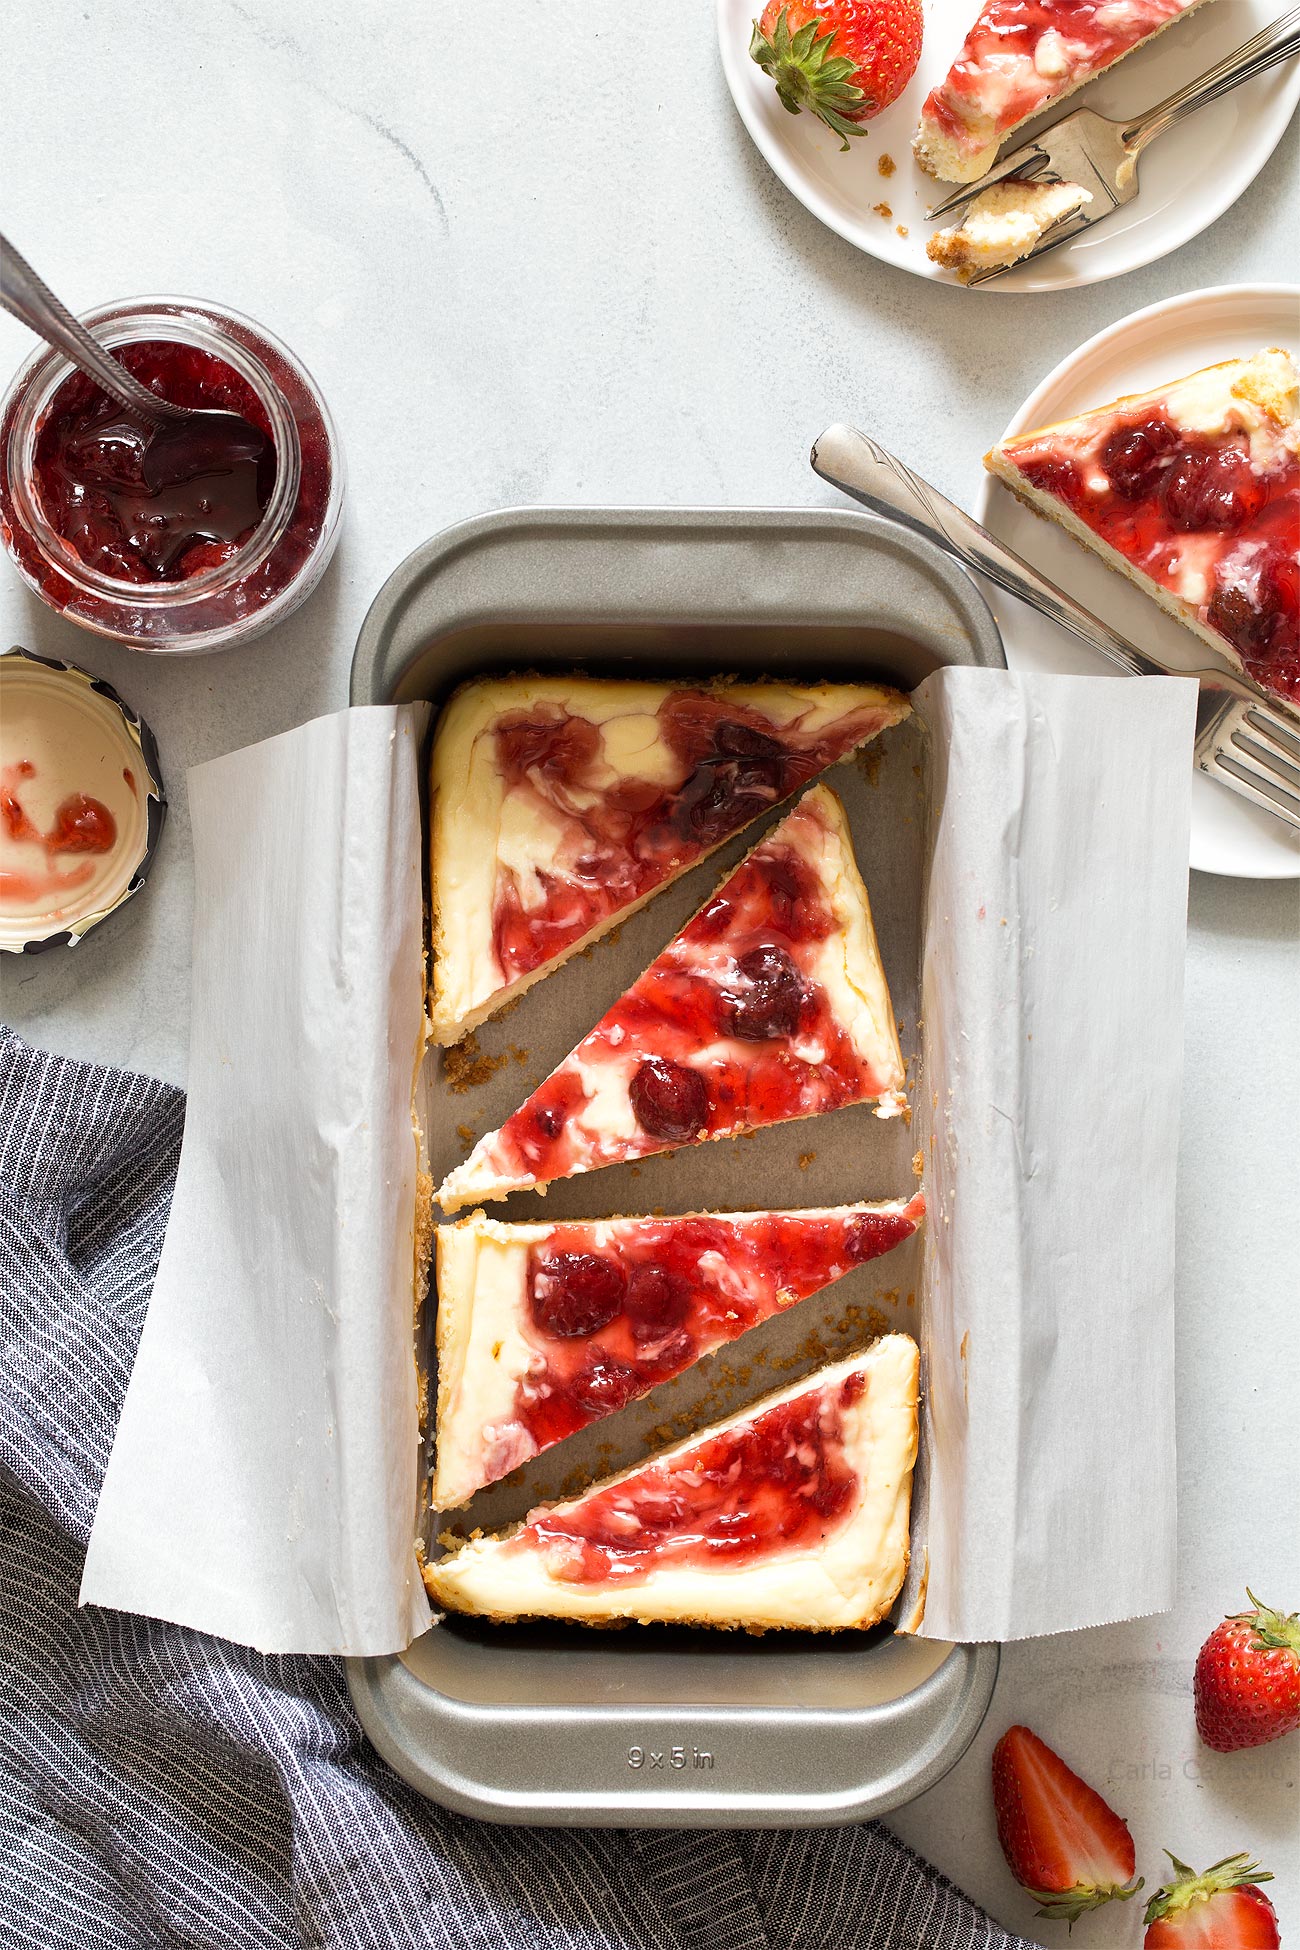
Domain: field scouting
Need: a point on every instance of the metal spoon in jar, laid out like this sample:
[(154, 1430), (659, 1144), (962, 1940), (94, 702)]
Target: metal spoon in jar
[(185, 442)]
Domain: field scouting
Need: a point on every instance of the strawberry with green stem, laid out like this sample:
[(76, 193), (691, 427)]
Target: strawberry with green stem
[(844, 60), (1247, 1685), (1224, 1909), (1062, 1841)]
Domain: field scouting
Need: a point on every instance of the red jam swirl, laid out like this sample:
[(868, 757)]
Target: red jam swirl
[(606, 1326), (996, 67), (89, 478), (740, 955), (82, 825), (780, 1482), (635, 833), (1167, 492)]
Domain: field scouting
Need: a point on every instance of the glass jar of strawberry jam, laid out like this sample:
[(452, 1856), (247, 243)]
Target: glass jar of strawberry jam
[(209, 561)]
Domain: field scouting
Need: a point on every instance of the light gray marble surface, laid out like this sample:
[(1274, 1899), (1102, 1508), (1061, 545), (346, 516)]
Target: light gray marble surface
[(573, 280)]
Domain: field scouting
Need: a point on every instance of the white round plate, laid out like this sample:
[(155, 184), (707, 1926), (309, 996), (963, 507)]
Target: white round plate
[(1163, 342), (1189, 176)]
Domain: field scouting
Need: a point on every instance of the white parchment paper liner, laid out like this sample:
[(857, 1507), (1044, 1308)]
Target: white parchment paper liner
[(263, 1481), (1052, 992)]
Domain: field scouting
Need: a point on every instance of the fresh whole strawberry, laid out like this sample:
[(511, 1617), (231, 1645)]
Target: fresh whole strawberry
[(843, 59), (1063, 1843), (1224, 1909), (1247, 1685)]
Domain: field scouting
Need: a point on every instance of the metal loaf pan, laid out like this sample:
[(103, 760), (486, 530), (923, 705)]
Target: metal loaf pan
[(658, 1726)]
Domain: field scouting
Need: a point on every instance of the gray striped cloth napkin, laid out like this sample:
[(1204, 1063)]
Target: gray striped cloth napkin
[(162, 1788)]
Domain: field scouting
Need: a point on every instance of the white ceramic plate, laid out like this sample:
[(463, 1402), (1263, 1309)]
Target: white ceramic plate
[(1163, 342), (1189, 176)]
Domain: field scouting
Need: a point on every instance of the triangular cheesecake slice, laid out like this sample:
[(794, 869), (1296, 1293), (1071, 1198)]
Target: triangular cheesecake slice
[(793, 1513), (770, 1004), (1192, 491), (1021, 57), (543, 1329), (560, 805)]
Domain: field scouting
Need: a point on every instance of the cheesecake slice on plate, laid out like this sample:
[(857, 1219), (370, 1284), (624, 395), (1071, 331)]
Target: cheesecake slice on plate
[(1021, 57), (543, 1329), (1192, 491), (560, 805), (770, 1004), (791, 1514)]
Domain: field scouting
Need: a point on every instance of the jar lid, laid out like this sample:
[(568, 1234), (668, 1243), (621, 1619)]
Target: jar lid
[(81, 802)]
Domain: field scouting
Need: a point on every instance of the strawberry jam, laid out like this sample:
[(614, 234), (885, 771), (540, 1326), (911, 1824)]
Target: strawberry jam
[(731, 1028), (738, 956), (193, 536), (1021, 54), (781, 1481), (613, 1309), (624, 839), (90, 481), (1197, 516)]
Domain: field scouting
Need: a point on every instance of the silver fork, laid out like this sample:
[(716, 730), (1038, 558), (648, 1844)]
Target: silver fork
[(1244, 738), (1102, 156)]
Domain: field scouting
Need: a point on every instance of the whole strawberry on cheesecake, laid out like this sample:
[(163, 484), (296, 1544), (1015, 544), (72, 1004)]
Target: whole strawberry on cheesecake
[(843, 60)]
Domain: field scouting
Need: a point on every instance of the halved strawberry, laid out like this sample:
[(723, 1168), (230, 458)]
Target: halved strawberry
[(1063, 1843), (1247, 1686), (844, 60), (1224, 1909)]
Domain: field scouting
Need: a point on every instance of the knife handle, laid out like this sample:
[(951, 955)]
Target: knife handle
[(871, 474)]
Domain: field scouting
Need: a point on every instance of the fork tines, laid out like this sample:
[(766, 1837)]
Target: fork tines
[(1030, 160)]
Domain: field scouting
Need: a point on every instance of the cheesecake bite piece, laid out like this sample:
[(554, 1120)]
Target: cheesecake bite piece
[(543, 1329), (1004, 224), (770, 1004), (791, 1514), (1021, 57), (1192, 491), (560, 805)]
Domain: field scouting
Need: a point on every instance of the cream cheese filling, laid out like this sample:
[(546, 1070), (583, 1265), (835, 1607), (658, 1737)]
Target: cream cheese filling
[(849, 1577)]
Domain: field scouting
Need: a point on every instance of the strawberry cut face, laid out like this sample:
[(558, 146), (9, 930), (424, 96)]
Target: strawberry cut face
[(1062, 1841), (1222, 1909)]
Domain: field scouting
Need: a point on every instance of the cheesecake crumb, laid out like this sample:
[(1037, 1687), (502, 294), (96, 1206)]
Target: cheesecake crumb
[(886, 164), (466, 1136), (466, 1066), (424, 1230), (520, 1055), (805, 1159), (867, 761), (918, 1164), (883, 211), (901, 228)]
